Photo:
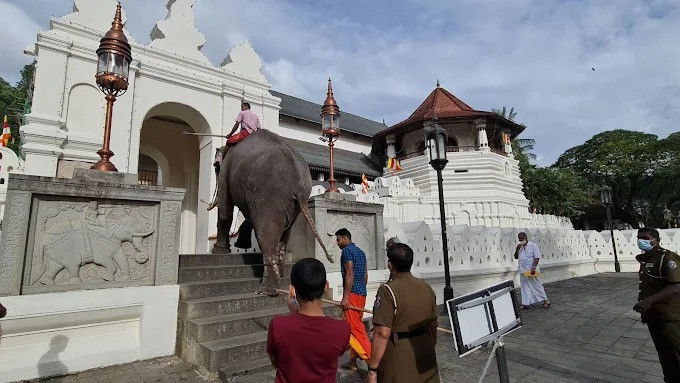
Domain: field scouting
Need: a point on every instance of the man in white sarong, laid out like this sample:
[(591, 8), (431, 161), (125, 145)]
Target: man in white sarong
[(532, 290)]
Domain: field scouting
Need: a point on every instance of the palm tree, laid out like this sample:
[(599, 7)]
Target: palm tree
[(521, 147)]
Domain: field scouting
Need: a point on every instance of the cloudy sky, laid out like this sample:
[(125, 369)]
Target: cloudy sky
[(385, 56)]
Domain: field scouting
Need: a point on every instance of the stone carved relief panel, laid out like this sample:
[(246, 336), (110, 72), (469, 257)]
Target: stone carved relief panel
[(362, 227), (84, 243)]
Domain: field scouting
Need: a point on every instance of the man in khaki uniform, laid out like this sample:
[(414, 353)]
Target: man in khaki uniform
[(659, 300), (405, 325)]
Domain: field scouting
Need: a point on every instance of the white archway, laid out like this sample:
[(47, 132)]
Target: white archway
[(179, 157)]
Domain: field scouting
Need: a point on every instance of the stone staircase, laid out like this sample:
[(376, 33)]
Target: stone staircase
[(222, 324)]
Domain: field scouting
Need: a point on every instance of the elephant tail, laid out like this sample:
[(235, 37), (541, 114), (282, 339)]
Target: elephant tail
[(312, 225)]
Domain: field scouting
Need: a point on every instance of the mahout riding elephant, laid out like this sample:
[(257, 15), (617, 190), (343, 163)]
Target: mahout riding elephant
[(72, 243), (270, 183)]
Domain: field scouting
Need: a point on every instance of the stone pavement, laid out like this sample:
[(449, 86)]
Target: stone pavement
[(589, 334)]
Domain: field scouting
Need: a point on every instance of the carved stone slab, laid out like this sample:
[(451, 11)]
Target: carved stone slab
[(74, 234), (363, 220)]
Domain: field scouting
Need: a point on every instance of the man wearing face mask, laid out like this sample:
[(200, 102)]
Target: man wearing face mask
[(659, 300), (528, 254)]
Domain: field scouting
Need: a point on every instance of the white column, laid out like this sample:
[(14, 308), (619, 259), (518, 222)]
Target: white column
[(391, 149), (483, 141)]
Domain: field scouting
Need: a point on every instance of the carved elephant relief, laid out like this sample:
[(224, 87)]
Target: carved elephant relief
[(96, 237)]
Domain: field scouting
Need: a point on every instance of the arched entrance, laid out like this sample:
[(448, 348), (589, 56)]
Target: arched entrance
[(175, 157)]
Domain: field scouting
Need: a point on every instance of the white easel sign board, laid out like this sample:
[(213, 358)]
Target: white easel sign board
[(483, 316)]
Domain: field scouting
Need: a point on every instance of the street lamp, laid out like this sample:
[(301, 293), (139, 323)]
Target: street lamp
[(667, 215), (436, 142), (606, 197), (113, 66), (330, 126)]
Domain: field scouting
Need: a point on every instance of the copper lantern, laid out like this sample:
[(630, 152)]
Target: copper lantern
[(330, 126), (113, 67)]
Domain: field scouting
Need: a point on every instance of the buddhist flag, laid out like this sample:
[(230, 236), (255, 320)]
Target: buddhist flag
[(506, 138), (364, 184), (6, 133), (393, 164)]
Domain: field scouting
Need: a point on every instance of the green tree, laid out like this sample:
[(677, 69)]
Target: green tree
[(624, 160), (557, 191), (549, 190), (16, 101)]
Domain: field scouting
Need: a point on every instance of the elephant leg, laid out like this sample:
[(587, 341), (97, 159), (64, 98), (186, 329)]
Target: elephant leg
[(269, 233), (74, 273), (225, 214), (53, 268), (245, 235), (123, 266), (110, 269)]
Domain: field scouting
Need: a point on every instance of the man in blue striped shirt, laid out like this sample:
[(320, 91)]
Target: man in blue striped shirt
[(354, 279)]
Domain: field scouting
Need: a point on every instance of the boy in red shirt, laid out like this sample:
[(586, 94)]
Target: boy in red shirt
[(305, 345)]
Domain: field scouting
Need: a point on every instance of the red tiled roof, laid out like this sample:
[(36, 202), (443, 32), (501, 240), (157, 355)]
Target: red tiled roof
[(440, 104)]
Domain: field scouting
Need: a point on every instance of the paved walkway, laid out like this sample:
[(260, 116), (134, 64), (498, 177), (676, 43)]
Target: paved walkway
[(589, 334)]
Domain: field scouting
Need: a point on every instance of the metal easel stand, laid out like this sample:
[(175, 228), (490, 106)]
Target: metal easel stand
[(498, 350)]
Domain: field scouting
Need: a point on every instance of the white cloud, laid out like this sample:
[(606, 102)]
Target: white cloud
[(534, 55)]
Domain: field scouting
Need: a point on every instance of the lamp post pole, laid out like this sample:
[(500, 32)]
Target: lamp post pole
[(439, 165), (436, 138), (606, 198), (330, 125), (113, 67), (617, 266)]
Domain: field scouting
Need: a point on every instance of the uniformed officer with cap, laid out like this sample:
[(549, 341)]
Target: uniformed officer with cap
[(659, 300), (405, 325)]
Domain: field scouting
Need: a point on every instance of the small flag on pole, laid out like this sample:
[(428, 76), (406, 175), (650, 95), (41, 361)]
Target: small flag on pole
[(393, 163), (6, 132), (364, 184)]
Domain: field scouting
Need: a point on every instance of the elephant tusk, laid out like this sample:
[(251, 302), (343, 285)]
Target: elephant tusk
[(146, 234)]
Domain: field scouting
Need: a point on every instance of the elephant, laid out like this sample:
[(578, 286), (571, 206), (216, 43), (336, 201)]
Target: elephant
[(72, 243), (270, 184)]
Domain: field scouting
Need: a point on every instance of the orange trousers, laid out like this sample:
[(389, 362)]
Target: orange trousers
[(360, 345)]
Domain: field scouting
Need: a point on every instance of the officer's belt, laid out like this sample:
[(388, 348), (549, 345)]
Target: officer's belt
[(408, 334)]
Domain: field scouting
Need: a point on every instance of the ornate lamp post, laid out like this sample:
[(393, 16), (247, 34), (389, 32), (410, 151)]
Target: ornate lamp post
[(330, 125), (113, 67), (436, 142), (606, 197), (667, 216)]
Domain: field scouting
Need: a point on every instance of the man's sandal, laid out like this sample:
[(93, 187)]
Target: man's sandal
[(546, 305)]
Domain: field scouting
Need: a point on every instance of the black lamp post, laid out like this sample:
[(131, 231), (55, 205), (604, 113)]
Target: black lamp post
[(667, 216), (606, 196), (436, 142)]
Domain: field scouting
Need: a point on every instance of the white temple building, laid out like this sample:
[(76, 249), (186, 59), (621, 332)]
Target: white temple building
[(174, 88)]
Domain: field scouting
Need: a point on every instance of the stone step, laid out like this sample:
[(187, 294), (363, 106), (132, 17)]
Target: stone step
[(188, 260), (227, 304), (218, 287), (241, 323), (242, 371), (233, 351), (261, 371), (205, 273)]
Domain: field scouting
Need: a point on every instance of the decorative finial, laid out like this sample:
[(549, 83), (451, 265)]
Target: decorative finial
[(330, 106), (437, 83), (118, 18)]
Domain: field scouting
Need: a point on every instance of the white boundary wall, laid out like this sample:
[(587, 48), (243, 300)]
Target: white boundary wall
[(482, 256), (100, 327)]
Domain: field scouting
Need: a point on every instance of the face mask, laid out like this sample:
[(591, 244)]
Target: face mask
[(522, 242), (645, 244)]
